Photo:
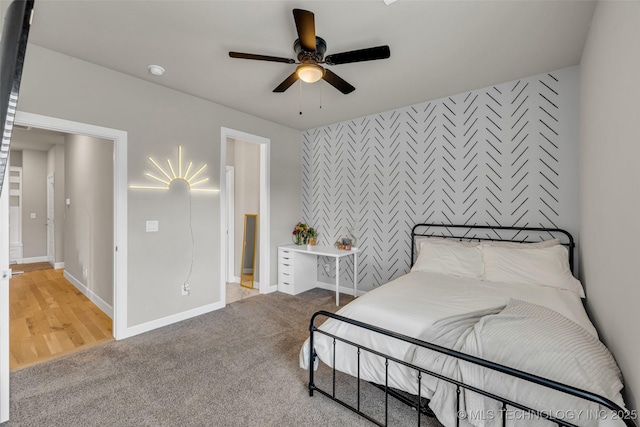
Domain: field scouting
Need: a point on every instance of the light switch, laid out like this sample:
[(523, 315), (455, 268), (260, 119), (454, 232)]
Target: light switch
[(67, 202), (152, 226), (32, 215)]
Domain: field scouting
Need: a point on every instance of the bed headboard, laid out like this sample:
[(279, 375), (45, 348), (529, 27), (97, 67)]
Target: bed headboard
[(492, 233)]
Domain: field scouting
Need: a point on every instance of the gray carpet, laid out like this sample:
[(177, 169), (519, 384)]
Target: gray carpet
[(233, 367)]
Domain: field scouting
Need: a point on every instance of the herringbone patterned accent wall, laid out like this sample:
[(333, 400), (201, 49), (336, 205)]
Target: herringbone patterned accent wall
[(499, 155)]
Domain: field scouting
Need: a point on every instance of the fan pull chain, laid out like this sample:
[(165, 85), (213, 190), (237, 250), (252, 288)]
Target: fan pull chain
[(320, 96), (300, 97)]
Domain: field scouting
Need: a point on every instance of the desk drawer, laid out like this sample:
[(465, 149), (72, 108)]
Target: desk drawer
[(285, 256), (285, 267), (285, 279), (285, 271)]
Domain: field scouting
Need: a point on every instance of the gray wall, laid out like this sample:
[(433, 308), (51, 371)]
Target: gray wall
[(505, 155), (40, 163), (157, 120), (609, 176), (88, 222), (16, 158), (55, 165), (34, 200)]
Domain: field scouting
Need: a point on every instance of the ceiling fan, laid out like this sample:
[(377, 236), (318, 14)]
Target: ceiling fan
[(310, 50)]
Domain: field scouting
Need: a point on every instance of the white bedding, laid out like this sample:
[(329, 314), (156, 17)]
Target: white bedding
[(410, 305)]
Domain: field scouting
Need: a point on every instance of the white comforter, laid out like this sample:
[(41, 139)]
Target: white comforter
[(410, 305)]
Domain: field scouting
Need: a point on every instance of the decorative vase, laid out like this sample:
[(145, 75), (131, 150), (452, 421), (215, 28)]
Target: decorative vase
[(297, 239), (312, 241)]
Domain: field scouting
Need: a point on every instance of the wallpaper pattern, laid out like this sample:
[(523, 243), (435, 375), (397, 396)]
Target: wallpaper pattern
[(490, 156)]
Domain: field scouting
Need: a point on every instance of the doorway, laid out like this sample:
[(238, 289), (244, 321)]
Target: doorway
[(263, 262), (69, 260), (118, 138), (120, 329)]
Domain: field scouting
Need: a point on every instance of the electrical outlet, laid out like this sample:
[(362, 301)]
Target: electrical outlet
[(327, 267), (186, 289), (85, 272)]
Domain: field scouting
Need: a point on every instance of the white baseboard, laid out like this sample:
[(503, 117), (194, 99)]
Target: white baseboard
[(269, 289), (235, 279), (166, 321), (32, 259), (58, 265), (93, 297)]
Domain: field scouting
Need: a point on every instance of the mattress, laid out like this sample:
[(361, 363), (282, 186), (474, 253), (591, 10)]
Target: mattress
[(410, 305)]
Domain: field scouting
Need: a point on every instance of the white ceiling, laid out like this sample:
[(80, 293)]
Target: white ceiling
[(34, 139), (438, 48)]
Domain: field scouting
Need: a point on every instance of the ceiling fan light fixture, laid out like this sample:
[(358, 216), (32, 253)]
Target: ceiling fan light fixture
[(310, 73)]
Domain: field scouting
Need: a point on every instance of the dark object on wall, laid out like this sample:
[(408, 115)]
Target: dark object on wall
[(13, 47), (310, 51)]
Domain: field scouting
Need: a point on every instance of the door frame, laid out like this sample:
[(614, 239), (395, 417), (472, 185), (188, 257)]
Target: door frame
[(5, 275), (51, 230), (119, 139), (231, 244), (264, 221)]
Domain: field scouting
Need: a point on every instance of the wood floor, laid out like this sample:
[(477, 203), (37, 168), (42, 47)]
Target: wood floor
[(49, 317), (235, 292)]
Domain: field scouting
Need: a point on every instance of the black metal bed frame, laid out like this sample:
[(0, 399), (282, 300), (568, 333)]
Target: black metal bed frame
[(521, 235), (452, 232)]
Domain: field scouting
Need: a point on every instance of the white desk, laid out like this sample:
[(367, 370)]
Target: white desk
[(298, 267)]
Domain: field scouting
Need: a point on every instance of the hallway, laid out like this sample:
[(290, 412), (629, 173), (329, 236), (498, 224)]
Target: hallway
[(49, 318)]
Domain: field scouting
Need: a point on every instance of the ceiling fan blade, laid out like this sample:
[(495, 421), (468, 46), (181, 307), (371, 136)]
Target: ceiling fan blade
[(286, 84), (338, 82), (369, 54), (261, 57), (305, 24)]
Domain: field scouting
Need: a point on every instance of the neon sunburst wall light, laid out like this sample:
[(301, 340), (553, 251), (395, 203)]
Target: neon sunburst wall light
[(169, 175)]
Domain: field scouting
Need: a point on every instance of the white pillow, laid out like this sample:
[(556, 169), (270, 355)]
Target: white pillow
[(445, 241), (522, 245), (451, 259), (536, 266)]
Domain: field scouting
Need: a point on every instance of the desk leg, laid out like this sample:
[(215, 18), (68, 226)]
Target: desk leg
[(355, 275), (337, 281)]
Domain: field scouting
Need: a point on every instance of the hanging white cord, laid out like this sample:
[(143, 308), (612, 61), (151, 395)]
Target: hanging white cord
[(192, 245)]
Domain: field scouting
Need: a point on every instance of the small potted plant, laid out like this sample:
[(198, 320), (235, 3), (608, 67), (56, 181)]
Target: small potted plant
[(303, 234), (312, 236), (299, 235)]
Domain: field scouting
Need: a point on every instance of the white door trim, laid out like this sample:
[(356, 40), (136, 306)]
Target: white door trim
[(230, 236), (119, 137), (264, 222), (51, 231), (5, 274)]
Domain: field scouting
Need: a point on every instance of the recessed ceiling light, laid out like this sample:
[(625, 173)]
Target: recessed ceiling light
[(156, 70)]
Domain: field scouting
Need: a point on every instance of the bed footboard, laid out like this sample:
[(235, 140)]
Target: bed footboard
[(625, 416)]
